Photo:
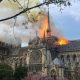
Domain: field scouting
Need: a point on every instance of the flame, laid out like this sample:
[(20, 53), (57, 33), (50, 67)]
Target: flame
[(62, 41), (44, 29)]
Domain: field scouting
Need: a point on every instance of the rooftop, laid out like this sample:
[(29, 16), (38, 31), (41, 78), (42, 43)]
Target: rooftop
[(72, 46)]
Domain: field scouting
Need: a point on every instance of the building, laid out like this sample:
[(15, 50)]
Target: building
[(70, 56), (43, 56), (7, 50)]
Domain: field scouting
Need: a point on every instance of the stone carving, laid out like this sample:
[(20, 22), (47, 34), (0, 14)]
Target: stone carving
[(35, 57)]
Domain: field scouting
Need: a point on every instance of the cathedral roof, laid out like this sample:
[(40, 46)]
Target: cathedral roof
[(72, 46)]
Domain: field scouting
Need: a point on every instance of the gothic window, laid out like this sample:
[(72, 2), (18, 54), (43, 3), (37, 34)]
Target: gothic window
[(62, 58), (1, 52), (68, 57), (74, 57), (37, 67), (35, 57)]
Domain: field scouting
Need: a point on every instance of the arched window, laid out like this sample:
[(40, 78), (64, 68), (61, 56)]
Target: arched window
[(35, 60), (68, 57), (62, 58), (74, 57)]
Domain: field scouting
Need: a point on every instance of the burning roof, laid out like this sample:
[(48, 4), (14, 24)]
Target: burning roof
[(50, 39), (71, 47), (62, 41)]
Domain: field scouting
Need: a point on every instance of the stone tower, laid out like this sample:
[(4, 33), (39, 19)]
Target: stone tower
[(37, 59)]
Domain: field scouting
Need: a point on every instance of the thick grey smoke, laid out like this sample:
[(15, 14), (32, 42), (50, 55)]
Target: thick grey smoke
[(19, 30), (19, 33)]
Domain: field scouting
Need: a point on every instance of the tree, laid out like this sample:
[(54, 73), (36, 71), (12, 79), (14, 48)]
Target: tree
[(46, 2), (20, 73), (6, 72)]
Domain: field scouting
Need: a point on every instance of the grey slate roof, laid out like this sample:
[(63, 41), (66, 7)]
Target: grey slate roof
[(72, 46)]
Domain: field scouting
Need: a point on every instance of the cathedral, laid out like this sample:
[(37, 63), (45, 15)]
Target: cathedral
[(43, 56)]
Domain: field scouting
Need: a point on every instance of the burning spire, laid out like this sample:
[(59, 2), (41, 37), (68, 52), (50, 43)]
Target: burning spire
[(49, 29), (46, 26)]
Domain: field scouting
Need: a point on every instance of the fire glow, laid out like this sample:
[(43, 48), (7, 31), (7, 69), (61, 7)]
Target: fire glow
[(44, 30), (62, 41)]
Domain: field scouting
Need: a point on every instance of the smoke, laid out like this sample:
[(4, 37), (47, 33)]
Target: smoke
[(16, 34), (19, 30)]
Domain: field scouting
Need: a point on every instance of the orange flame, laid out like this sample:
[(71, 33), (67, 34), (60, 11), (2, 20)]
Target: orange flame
[(44, 28), (62, 41), (45, 31)]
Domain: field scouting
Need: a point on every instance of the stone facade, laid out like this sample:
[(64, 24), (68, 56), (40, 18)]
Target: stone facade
[(70, 58), (70, 53), (37, 57)]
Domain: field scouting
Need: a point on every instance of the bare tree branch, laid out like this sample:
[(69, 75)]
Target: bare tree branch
[(27, 9)]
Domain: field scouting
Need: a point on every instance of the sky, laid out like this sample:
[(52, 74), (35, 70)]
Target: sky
[(66, 21)]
